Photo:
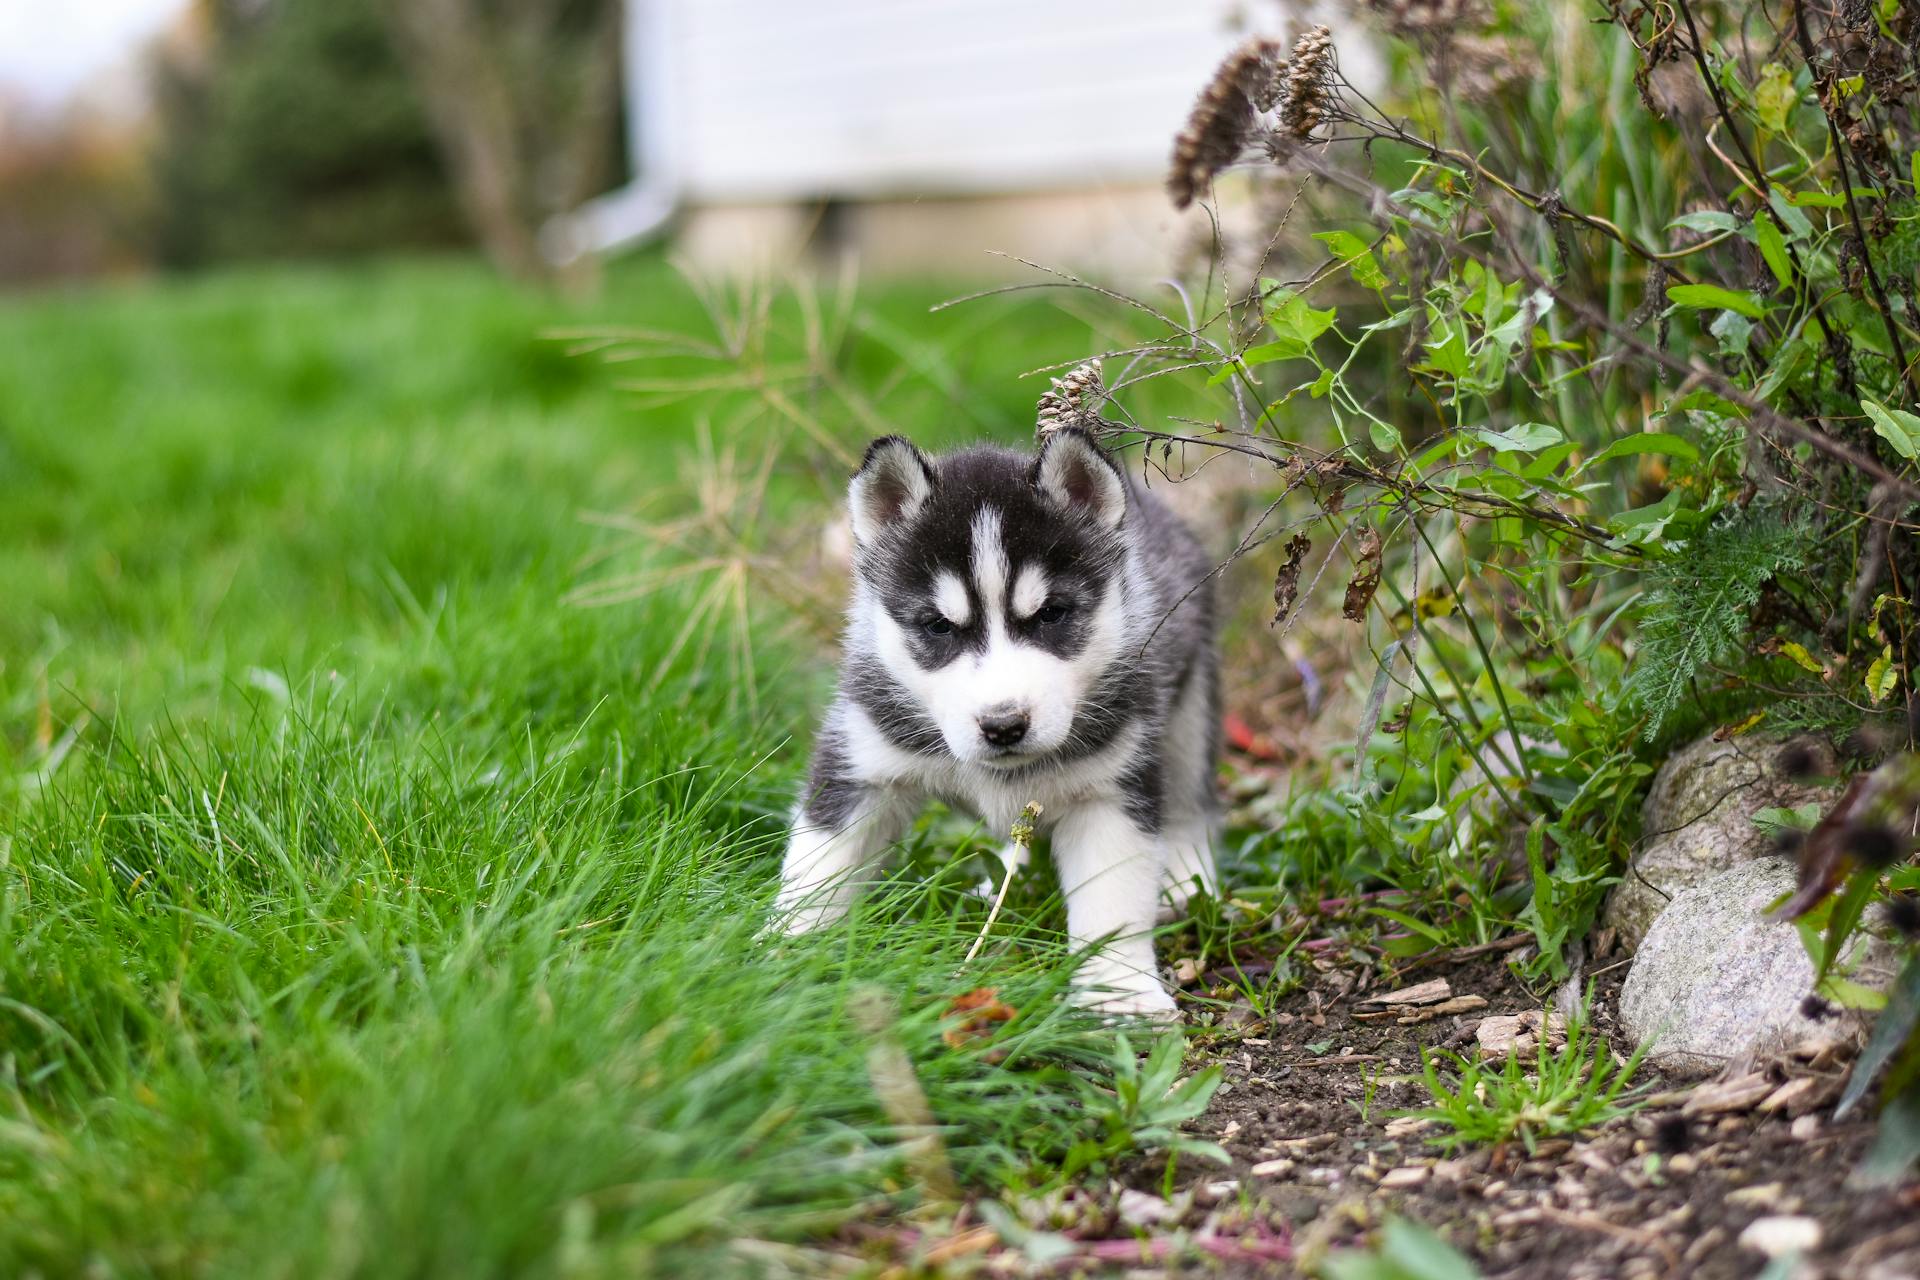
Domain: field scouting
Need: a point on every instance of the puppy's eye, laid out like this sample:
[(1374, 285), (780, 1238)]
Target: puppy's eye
[(1052, 611), (937, 626)]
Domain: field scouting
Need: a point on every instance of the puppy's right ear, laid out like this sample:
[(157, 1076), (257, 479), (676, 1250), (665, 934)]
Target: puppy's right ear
[(893, 483)]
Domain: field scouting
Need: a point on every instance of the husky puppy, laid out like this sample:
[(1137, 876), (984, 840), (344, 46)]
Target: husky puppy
[(1023, 628)]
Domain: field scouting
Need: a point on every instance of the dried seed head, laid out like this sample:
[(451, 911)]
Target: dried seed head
[(1073, 401), (1874, 844), (1306, 90), (1672, 1135), (1221, 119), (1797, 761), (1420, 17), (1485, 66), (1816, 1009)]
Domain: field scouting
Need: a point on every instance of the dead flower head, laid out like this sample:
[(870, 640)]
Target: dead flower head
[(1426, 17), (1306, 84), (1222, 117), (1073, 401)]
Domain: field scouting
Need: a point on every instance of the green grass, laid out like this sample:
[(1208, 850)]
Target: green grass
[(1566, 1090), (364, 909)]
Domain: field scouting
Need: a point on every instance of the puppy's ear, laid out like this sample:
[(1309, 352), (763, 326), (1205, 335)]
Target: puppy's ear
[(1076, 475), (893, 483)]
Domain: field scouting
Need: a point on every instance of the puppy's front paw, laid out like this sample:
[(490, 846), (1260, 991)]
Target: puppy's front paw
[(1106, 986)]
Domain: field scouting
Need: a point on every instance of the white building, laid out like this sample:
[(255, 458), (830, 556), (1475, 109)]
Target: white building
[(924, 133)]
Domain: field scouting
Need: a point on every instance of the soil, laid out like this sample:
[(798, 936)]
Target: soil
[(1667, 1191)]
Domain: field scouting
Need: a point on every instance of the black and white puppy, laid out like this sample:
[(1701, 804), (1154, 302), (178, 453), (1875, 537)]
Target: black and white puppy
[(1023, 628)]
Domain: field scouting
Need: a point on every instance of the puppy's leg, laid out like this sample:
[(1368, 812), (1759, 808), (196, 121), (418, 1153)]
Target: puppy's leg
[(1192, 824), (1190, 866), (1110, 870), (839, 832)]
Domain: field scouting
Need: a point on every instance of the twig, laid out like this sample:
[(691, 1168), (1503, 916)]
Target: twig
[(1022, 841)]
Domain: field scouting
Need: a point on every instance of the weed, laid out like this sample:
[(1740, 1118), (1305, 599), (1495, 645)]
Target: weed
[(1576, 1087)]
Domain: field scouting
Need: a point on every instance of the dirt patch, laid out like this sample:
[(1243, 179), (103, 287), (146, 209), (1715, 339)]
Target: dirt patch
[(1307, 1113)]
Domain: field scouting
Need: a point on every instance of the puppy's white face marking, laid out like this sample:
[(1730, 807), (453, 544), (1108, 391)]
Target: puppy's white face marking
[(1002, 671), (989, 561), (1029, 591), (950, 598)]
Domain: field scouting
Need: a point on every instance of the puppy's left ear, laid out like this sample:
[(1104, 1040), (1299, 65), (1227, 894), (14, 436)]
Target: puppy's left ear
[(893, 483), (1076, 475)]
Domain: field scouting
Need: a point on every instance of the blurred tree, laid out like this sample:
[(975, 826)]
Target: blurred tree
[(524, 96), (292, 127)]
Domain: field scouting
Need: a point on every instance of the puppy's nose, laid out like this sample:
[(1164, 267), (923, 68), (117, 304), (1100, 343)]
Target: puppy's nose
[(1004, 725)]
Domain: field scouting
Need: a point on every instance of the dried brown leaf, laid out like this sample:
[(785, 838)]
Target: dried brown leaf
[(1366, 578), (1286, 580)]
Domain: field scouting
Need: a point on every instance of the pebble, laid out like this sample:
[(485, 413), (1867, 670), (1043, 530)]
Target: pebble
[(1682, 1164), (1804, 1127), (1409, 1176), (1780, 1234), (1144, 1209), (1272, 1168)]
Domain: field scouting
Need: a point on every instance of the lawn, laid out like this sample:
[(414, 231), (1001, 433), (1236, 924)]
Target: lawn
[(368, 909)]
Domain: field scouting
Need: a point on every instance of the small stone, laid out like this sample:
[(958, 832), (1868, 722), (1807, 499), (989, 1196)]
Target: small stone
[(1215, 1192), (1765, 1195), (1781, 1234), (1144, 1209), (1683, 1164), (1408, 1176), (1804, 1128), (1272, 1168), (1407, 1126)]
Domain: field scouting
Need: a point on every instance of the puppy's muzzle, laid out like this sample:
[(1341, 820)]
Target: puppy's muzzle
[(1004, 726)]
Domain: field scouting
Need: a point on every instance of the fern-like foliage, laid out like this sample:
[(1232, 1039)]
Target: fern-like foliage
[(1697, 602)]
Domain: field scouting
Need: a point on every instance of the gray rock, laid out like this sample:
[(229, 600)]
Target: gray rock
[(1698, 820), (1717, 979)]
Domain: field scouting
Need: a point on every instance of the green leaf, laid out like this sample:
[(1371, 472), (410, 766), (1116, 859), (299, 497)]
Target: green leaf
[(1733, 330), (1528, 437), (1385, 436), (1773, 247), (1292, 317), (1897, 1145), (1774, 97), (1407, 1251), (1710, 296), (1896, 426), (1882, 677), (1798, 652), (1896, 1022), (1713, 221), (1798, 227), (1448, 354), (1661, 442), (1358, 257), (1913, 169)]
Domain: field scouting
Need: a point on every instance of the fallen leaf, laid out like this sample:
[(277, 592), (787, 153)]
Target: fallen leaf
[(1517, 1033), (1742, 1093), (978, 1012), (1433, 992)]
